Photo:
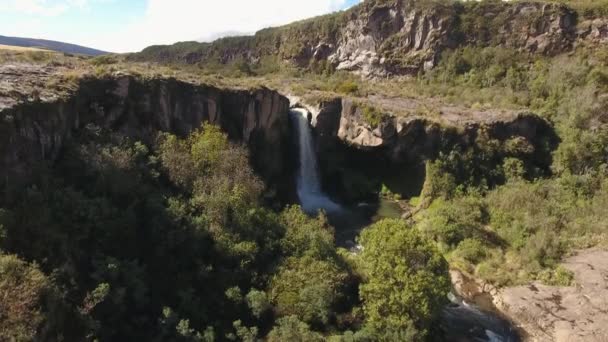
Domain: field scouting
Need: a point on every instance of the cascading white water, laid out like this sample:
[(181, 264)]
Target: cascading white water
[(308, 184)]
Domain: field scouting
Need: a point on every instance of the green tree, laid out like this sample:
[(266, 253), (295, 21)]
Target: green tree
[(258, 302), (405, 278), (306, 236), (308, 288)]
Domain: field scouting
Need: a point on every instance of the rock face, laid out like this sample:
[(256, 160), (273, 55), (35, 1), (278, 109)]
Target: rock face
[(553, 313), (594, 31), (392, 39), (401, 38), (409, 138), (381, 38), (357, 158), (36, 131), (537, 27)]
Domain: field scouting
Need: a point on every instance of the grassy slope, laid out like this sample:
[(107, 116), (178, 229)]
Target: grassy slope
[(50, 45), (19, 48)]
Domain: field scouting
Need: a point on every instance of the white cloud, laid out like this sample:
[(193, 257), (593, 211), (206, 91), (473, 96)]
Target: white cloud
[(48, 8), (169, 21), (163, 22)]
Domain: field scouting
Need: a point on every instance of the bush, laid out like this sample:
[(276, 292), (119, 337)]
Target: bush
[(581, 151), (348, 87), (471, 250), (22, 288), (513, 169), (372, 115), (104, 60), (258, 302), (306, 236), (438, 181), (450, 222), (559, 276)]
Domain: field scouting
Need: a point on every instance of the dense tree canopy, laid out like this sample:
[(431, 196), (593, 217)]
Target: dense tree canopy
[(406, 278)]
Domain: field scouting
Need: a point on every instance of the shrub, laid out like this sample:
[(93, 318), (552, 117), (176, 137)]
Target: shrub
[(471, 250), (258, 302), (104, 60), (348, 87), (22, 289), (438, 181), (372, 115), (513, 169), (306, 236), (559, 276), (452, 221)]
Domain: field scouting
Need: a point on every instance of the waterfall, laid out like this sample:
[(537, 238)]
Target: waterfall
[(308, 184), (458, 321)]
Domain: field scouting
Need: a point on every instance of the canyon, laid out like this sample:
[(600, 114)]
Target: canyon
[(37, 131), (238, 187)]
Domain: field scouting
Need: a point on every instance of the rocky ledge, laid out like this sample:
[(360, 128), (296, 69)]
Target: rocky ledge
[(409, 137), (552, 313)]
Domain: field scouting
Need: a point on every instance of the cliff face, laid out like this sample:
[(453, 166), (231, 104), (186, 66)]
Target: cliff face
[(389, 37), (400, 38), (393, 150), (36, 131), (406, 139)]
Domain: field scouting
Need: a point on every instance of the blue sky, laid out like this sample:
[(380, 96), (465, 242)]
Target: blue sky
[(131, 25)]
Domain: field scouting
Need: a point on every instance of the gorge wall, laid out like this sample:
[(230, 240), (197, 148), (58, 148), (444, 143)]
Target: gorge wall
[(381, 38), (357, 156), (139, 109)]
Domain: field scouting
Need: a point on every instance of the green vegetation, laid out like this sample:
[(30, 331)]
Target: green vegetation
[(372, 115), (170, 241), (520, 230), (406, 280), (23, 289)]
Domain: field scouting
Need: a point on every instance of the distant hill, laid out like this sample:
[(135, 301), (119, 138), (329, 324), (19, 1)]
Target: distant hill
[(50, 45)]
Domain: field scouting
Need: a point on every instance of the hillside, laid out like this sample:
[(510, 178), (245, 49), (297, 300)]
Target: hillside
[(395, 37), (50, 45)]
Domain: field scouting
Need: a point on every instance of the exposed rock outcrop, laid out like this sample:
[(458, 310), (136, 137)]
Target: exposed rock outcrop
[(37, 130), (361, 150), (381, 38), (594, 31), (553, 313), (401, 38), (409, 138)]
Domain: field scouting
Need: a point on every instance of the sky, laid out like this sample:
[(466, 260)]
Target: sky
[(131, 25)]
